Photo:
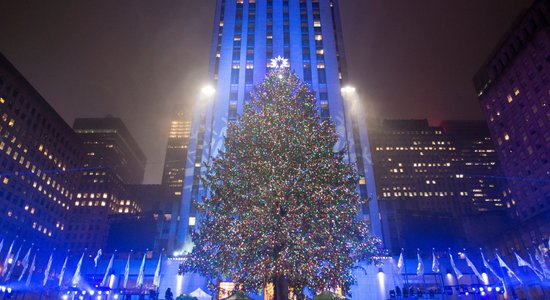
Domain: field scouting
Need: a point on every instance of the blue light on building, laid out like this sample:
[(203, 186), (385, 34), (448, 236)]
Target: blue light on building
[(247, 35)]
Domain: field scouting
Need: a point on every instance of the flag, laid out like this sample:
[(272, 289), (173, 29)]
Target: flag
[(126, 272), (63, 270), (7, 259), (473, 268), (31, 270), (543, 250), (539, 272), (534, 264), (540, 258), (511, 273), (76, 276), (400, 263), (141, 268), (488, 266), (156, 279), (25, 263), (98, 255), (523, 263), (457, 271), (435, 263), (13, 264), (420, 267), (47, 270), (105, 282)]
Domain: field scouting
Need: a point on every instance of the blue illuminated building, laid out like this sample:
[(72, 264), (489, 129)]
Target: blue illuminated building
[(40, 163), (247, 35)]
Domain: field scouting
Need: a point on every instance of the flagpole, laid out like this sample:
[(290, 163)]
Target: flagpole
[(525, 287), (405, 267), (423, 277), (540, 284), (504, 278), (440, 273), (454, 268)]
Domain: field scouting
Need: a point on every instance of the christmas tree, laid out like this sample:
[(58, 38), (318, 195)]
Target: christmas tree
[(282, 205)]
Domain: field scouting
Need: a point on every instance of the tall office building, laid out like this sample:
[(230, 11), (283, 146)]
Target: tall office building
[(248, 34), (429, 175), (514, 92), (172, 179), (477, 162), (112, 160), (39, 156)]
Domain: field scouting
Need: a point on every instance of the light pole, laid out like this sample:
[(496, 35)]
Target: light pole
[(346, 92)]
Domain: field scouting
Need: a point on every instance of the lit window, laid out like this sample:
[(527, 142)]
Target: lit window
[(510, 99), (6, 180), (516, 91), (316, 23), (2, 100), (506, 137), (192, 221)]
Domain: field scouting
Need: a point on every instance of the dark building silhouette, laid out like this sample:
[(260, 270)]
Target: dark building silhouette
[(113, 159), (110, 145), (429, 178), (514, 92), (40, 164)]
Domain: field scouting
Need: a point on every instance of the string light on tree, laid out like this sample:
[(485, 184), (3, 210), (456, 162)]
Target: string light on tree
[(282, 205)]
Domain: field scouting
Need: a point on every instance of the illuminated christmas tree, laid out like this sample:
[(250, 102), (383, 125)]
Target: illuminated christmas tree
[(282, 205)]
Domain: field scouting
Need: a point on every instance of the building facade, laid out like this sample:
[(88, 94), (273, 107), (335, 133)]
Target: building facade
[(514, 92), (168, 210), (428, 175), (247, 36), (40, 163), (112, 160)]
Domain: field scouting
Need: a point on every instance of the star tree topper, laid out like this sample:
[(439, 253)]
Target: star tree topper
[(279, 62)]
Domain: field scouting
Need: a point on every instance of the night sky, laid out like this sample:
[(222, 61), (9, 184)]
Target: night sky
[(137, 59)]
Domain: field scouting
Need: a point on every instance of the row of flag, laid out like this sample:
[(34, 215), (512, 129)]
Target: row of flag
[(538, 266), (7, 271), (28, 269)]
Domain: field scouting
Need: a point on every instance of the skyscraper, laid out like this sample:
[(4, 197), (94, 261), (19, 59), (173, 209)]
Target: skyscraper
[(172, 179), (428, 175), (113, 159), (248, 35), (513, 89), (40, 162)]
